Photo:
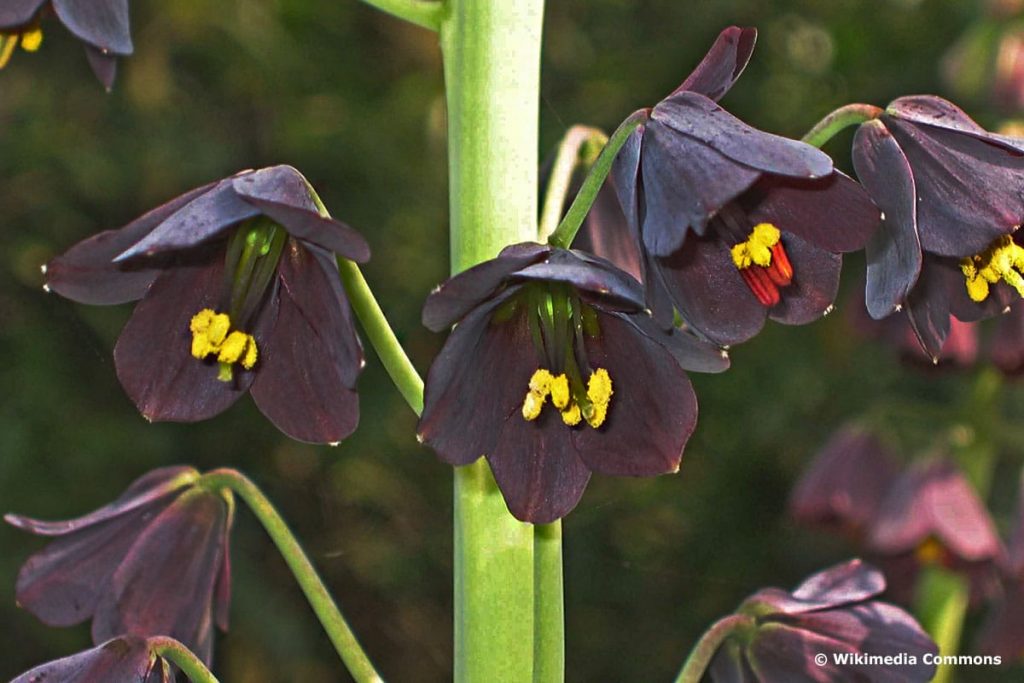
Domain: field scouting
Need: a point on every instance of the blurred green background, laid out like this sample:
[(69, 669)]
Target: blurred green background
[(354, 99)]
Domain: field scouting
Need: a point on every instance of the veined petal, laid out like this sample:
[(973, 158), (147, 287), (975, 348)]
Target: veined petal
[(310, 226), (116, 661), (281, 184), (103, 24), (815, 283), (604, 282), (935, 111), (723, 63)]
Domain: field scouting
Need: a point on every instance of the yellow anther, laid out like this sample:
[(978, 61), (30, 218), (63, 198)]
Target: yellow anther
[(31, 40), (7, 44), (929, 552), (532, 405), (201, 321), (540, 387), (251, 353), (571, 416), (233, 348), (560, 392), (212, 334), (1002, 261), (599, 391), (757, 250)]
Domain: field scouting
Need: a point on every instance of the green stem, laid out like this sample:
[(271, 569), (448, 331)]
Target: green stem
[(179, 655), (337, 629), (844, 117), (549, 613), (566, 231), (572, 151), (425, 13), (491, 55), (700, 657), (941, 604)]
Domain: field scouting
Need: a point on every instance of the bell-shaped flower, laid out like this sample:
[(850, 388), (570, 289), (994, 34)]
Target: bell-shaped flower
[(127, 659), (101, 25), (555, 370), (239, 291), (153, 562), (952, 196), (831, 628)]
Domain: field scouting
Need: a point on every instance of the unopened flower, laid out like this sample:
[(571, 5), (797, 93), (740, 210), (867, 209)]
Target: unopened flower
[(102, 25), (831, 628), (952, 200), (736, 225), (239, 292), (127, 659), (555, 370), (153, 562)]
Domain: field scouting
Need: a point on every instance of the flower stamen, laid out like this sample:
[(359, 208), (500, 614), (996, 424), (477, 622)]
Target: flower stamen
[(30, 41), (574, 406), (1002, 261), (763, 263), (212, 335)]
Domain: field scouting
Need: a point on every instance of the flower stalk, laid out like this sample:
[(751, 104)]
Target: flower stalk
[(579, 147), (179, 655), (700, 657), (839, 120)]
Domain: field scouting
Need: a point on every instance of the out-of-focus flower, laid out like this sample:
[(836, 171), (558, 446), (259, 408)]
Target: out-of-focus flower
[(1008, 86), (1006, 347), (768, 215), (555, 370), (239, 292), (845, 483), (128, 659), (832, 616), (153, 562), (952, 198), (101, 25), (1003, 631)]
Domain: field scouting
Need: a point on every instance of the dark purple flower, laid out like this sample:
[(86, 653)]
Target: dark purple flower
[(153, 562), (952, 195), (239, 292), (127, 659), (844, 484), (553, 371), (831, 615), (101, 25), (735, 225)]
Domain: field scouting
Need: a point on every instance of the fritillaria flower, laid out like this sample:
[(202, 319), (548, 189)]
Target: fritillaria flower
[(239, 292), (153, 562), (844, 484), (952, 198), (128, 659), (555, 370), (830, 628), (102, 25), (736, 225)]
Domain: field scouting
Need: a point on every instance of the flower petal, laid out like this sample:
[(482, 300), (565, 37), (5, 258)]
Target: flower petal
[(815, 283), (16, 13), (842, 584), (103, 65), (311, 356), (723, 63), (1007, 353), (927, 308), (281, 184), (607, 233), (894, 251), (1003, 631), (624, 178), (310, 226), (121, 660), (935, 111), (86, 272), (698, 117), (999, 300), (690, 351), (101, 24), (607, 286), (730, 665), (685, 182), (153, 354), (461, 293), (653, 409)]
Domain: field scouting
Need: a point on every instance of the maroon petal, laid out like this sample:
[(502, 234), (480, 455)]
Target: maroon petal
[(222, 589), (310, 226), (86, 272), (310, 355), (815, 283), (1003, 631), (537, 468), (477, 382), (607, 234), (1000, 296), (843, 584), (723, 63), (696, 116), (624, 178), (653, 409), (894, 251), (689, 351), (833, 213), (606, 285), (685, 181), (935, 111), (927, 308), (102, 24), (121, 660), (461, 293), (1007, 352), (153, 354), (710, 293), (281, 184), (17, 13), (103, 65), (165, 583)]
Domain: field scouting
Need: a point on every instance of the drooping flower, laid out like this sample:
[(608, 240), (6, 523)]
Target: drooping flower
[(239, 292), (101, 25), (952, 196), (815, 633), (127, 659), (844, 484), (553, 371), (736, 225), (153, 562)]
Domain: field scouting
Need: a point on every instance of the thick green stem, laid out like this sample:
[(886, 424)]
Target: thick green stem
[(425, 13), (700, 657), (566, 231), (840, 119), (572, 151), (179, 655), (549, 612), (491, 55), (337, 629)]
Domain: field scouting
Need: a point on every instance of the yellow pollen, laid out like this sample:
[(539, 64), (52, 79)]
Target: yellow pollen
[(571, 416), (212, 335), (757, 250), (31, 40), (1002, 261), (599, 391), (540, 387), (929, 552), (593, 408), (7, 44), (560, 392)]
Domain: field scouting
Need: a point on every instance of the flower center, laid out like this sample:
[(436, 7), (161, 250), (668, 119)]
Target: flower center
[(591, 405), (763, 263), (30, 39), (1002, 261), (930, 552), (212, 335)]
